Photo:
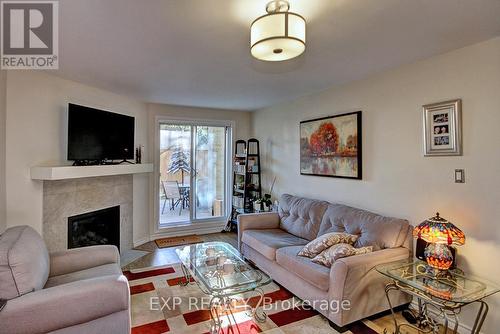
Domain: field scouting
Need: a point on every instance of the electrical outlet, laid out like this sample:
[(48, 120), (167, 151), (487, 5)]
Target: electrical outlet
[(459, 176)]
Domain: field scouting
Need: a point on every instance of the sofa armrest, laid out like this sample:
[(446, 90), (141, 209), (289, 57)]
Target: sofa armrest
[(353, 269), (76, 259), (254, 221), (66, 305)]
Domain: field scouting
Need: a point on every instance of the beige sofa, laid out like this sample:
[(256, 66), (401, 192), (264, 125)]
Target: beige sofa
[(81, 290), (272, 240)]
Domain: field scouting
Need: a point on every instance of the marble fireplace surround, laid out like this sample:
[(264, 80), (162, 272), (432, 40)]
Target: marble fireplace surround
[(66, 198)]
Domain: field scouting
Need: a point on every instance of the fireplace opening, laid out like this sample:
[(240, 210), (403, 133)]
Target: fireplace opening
[(100, 227)]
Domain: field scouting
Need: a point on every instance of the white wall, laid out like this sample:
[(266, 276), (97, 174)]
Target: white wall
[(3, 76), (36, 110), (397, 179), (36, 135)]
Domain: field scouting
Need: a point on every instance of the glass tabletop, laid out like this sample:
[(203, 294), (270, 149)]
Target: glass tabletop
[(454, 286), (219, 267)]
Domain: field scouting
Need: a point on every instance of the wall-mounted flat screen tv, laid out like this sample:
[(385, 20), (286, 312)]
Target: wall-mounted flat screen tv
[(98, 135)]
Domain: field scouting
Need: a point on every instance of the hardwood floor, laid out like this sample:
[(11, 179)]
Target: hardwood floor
[(166, 256)]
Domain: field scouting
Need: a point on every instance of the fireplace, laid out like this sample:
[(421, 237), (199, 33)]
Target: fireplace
[(100, 227)]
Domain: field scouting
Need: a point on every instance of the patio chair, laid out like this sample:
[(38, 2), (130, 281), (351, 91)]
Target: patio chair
[(172, 193), (184, 191), (163, 196)]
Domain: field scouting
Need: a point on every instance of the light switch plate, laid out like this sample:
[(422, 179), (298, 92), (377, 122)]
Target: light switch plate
[(459, 176)]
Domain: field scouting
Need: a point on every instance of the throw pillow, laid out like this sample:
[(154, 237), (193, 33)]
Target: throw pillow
[(325, 241), (330, 255)]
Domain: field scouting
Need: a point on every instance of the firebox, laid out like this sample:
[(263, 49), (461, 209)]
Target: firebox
[(100, 227)]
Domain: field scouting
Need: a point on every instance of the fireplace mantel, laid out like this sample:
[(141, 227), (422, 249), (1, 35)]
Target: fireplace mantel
[(75, 172)]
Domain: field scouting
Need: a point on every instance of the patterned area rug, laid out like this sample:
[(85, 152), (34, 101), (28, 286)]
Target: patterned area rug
[(161, 305)]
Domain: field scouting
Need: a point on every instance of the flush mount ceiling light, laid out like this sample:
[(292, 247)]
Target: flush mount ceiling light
[(279, 35)]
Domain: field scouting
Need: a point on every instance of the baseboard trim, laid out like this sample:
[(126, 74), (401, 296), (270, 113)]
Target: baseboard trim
[(216, 228), (462, 328), (141, 241), (179, 231)]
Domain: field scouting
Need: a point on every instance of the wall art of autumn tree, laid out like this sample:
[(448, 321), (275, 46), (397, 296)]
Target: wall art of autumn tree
[(325, 139)]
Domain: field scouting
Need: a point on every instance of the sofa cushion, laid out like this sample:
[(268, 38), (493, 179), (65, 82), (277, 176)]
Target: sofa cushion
[(268, 241), (313, 273), (332, 254), (24, 262), (301, 216), (99, 271), (325, 241), (373, 230)]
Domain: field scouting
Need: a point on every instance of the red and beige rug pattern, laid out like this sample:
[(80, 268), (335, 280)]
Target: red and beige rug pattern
[(160, 305)]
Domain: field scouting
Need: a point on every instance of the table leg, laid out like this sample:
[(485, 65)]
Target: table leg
[(389, 287), (229, 306), (422, 308), (187, 276), (445, 325), (217, 306), (259, 315), (216, 323), (481, 315), (455, 328)]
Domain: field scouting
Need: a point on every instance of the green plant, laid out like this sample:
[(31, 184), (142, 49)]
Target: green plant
[(266, 200)]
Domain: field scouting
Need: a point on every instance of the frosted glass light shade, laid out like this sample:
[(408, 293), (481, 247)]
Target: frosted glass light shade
[(278, 36)]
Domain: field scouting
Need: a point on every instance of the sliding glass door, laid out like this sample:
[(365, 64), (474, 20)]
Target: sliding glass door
[(193, 176), (210, 176), (175, 173)]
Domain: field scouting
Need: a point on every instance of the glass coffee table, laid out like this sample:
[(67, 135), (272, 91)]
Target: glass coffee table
[(220, 272), (444, 292)]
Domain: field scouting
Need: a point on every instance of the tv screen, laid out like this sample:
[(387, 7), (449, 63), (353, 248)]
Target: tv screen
[(95, 134)]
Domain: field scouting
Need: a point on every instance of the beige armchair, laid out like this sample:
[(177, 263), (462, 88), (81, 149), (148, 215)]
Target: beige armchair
[(80, 290)]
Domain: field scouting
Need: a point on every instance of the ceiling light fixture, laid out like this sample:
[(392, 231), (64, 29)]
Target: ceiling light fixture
[(279, 35)]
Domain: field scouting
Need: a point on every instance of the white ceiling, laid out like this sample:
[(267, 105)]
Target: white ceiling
[(196, 52)]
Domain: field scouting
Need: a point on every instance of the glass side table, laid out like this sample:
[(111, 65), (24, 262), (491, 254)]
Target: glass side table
[(445, 293)]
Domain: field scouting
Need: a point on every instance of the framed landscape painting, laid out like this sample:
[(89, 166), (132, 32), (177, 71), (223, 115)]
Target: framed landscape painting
[(331, 146)]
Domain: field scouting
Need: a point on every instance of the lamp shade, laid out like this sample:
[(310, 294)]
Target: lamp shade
[(439, 231), (278, 36)]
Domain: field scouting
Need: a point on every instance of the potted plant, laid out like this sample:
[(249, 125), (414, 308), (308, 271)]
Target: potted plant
[(264, 203)]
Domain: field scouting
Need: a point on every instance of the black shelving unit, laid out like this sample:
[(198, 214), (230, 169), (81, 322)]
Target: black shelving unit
[(246, 178)]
